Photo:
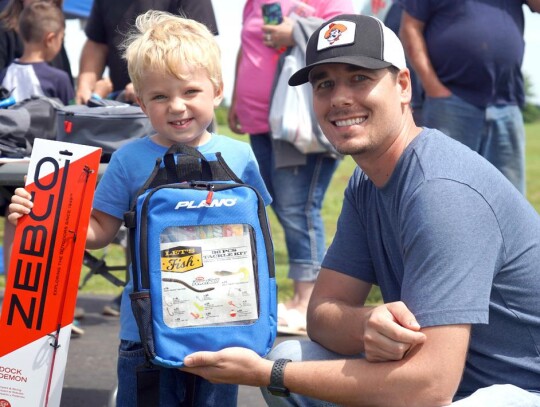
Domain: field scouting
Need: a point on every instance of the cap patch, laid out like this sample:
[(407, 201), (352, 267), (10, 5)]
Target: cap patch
[(336, 33)]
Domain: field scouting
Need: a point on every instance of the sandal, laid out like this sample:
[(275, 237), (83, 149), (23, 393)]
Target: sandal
[(290, 321)]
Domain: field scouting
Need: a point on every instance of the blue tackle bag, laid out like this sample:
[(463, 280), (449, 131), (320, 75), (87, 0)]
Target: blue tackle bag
[(202, 260)]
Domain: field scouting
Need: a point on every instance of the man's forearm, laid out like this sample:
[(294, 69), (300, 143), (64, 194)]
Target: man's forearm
[(412, 37), (428, 376), (325, 319), (92, 65), (534, 5)]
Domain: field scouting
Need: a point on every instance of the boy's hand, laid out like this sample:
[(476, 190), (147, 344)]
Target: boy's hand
[(20, 205), (390, 332)]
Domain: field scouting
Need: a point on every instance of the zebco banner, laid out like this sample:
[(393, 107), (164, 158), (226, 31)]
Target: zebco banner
[(44, 271)]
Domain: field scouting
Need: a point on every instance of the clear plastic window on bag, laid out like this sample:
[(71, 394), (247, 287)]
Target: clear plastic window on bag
[(208, 275)]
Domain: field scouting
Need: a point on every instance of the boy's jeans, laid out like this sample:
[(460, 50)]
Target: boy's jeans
[(494, 396), (172, 389)]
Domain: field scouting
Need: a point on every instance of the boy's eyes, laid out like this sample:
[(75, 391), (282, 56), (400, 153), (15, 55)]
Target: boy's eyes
[(187, 92), (192, 91)]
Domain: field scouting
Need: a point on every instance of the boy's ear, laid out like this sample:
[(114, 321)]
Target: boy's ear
[(49, 38), (139, 101), (218, 96)]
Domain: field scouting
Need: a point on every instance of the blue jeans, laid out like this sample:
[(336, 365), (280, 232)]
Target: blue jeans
[(496, 132), (502, 395), (297, 196), (172, 390)]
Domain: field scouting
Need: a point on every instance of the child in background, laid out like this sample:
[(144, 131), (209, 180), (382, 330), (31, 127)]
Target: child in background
[(175, 66), (41, 27)]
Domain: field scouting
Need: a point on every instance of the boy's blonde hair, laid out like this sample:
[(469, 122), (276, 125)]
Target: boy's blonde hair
[(166, 43), (38, 19)]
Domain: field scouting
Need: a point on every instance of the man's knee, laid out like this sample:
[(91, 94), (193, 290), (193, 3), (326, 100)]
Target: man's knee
[(301, 350)]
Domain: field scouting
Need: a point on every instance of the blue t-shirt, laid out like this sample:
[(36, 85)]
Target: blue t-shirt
[(475, 46), (454, 240), (130, 167)]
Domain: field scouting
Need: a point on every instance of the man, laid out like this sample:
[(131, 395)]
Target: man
[(108, 23), (454, 247), (468, 56)]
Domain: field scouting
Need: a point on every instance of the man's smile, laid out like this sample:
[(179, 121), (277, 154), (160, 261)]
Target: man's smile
[(349, 122)]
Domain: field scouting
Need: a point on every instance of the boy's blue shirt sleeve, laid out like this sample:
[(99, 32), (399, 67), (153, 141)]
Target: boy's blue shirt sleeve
[(240, 158), (253, 177)]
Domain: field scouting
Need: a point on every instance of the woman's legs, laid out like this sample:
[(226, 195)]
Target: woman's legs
[(298, 193)]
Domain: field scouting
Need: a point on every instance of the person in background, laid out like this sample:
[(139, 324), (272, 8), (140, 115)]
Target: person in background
[(468, 55), (392, 20), (174, 64), (41, 27), (105, 30), (452, 244), (297, 182), (11, 45)]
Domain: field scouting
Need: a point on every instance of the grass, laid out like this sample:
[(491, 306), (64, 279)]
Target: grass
[(114, 254)]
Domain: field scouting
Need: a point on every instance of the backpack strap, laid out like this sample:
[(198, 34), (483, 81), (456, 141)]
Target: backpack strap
[(182, 163)]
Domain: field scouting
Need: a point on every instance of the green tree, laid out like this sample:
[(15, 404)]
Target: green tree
[(531, 112)]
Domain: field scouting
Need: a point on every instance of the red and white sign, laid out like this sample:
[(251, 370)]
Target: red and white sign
[(43, 277)]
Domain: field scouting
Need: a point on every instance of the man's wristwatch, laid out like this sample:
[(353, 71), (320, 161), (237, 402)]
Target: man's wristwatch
[(277, 388)]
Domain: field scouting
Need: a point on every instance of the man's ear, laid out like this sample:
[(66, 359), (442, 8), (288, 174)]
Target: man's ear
[(405, 86), (218, 96)]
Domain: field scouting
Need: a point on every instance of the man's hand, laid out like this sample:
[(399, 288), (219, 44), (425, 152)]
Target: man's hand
[(234, 122), (390, 332), (129, 93), (20, 205), (83, 95), (231, 365)]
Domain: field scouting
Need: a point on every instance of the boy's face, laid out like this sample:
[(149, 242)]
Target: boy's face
[(180, 110)]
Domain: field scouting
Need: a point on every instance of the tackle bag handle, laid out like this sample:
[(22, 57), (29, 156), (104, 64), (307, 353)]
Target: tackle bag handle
[(191, 165)]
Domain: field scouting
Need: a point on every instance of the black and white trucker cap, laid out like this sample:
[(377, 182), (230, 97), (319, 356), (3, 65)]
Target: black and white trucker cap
[(358, 40)]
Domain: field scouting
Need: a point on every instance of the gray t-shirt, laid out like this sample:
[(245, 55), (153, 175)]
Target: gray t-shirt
[(453, 239)]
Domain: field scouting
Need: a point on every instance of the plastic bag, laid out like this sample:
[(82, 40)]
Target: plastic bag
[(291, 114)]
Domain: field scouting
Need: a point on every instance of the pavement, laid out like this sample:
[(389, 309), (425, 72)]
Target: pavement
[(90, 377)]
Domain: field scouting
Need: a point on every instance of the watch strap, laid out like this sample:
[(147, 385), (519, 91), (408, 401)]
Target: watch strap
[(277, 387)]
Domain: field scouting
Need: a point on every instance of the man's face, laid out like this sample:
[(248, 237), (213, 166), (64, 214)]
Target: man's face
[(360, 110)]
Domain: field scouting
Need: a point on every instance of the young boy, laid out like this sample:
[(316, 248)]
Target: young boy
[(174, 64), (41, 27)]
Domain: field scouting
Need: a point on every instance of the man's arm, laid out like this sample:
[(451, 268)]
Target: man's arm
[(534, 5), (428, 376), (384, 333), (412, 36), (92, 65), (234, 121)]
